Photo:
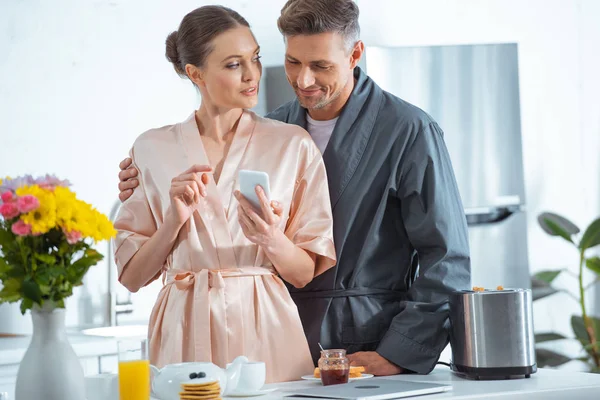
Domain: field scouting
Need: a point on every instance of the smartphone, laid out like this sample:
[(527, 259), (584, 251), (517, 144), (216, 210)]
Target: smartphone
[(248, 181)]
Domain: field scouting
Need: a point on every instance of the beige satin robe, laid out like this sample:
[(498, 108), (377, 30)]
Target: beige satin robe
[(222, 297)]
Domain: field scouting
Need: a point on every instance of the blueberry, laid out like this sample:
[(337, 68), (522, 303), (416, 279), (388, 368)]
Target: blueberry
[(201, 375), (193, 375)]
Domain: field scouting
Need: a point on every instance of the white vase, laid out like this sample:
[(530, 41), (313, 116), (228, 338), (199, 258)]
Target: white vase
[(50, 369)]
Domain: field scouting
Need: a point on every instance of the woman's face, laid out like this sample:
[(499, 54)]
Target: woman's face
[(232, 70)]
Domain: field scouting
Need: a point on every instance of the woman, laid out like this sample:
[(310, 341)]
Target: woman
[(222, 262)]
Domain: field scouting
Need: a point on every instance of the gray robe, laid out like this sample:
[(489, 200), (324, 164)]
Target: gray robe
[(400, 233)]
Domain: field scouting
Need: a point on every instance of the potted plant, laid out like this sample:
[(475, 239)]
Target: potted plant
[(586, 328), (46, 248)]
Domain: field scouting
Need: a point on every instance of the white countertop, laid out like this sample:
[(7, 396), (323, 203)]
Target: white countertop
[(544, 384), (12, 349)]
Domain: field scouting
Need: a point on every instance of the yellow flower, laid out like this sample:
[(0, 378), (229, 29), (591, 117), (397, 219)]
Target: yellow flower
[(83, 218), (106, 228), (59, 207), (42, 219), (65, 202)]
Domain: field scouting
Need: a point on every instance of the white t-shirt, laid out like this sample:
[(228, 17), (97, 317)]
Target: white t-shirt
[(320, 131)]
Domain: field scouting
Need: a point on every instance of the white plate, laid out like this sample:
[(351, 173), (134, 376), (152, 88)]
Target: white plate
[(312, 378), (249, 394)]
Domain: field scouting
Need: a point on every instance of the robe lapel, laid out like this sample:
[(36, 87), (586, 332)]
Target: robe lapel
[(297, 115), (210, 209), (234, 157), (351, 134)]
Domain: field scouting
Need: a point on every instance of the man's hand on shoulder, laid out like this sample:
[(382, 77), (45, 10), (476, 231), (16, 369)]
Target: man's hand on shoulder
[(127, 179)]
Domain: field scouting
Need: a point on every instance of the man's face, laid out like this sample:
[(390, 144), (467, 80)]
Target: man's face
[(318, 67)]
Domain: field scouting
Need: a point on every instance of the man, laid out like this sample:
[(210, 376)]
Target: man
[(399, 226)]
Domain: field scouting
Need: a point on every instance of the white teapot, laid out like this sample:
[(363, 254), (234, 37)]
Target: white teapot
[(166, 382)]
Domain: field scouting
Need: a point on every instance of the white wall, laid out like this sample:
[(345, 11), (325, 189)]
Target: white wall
[(79, 80)]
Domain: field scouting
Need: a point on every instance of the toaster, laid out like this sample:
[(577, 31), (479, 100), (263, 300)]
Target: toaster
[(491, 334)]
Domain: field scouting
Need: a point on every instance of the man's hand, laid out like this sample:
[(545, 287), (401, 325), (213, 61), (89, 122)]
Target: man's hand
[(374, 363), (127, 179)]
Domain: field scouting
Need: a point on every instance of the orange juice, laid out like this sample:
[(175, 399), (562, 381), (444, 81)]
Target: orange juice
[(134, 380)]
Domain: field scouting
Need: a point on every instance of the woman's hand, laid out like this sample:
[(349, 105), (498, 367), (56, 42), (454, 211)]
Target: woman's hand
[(185, 193), (261, 230), (294, 264)]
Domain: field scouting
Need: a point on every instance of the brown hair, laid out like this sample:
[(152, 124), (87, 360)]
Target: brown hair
[(311, 17), (192, 43)]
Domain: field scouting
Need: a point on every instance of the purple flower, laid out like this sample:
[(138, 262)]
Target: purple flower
[(14, 183), (46, 182), (51, 182)]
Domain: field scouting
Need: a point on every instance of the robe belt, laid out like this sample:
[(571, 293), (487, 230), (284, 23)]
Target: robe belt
[(209, 296), (351, 292)]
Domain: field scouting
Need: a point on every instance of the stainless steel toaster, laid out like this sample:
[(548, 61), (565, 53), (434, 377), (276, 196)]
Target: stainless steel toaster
[(491, 333)]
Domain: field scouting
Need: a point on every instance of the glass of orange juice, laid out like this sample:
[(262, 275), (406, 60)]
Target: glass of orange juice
[(134, 370)]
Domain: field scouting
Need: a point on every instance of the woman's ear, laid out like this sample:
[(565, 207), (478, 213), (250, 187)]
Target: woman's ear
[(195, 74)]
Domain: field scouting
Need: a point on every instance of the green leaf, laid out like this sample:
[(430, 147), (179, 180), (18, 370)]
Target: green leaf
[(4, 267), (541, 289), (549, 358), (91, 257), (593, 264), (591, 236), (56, 271), (579, 330), (46, 259), (43, 277), (32, 291), (595, 370), (9, 295), (26, 304), (547, 337), (11, 291), (547, 276), (6, 237), (17, 271), (45, 289), (581, 333), (556, 225), (591, 345)]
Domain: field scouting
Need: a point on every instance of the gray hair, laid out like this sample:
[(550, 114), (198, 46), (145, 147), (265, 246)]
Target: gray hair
[(311, 17)]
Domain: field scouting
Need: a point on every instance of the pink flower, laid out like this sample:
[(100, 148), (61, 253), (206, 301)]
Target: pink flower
[(20, 228), (27, 203), (73, 237), (7, 196), (9, 210)]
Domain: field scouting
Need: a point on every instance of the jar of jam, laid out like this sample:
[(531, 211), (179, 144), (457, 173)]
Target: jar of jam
[(334, 367)]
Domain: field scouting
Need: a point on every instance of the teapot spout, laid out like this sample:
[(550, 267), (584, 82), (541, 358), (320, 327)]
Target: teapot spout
[(154, 370), (233, 372)]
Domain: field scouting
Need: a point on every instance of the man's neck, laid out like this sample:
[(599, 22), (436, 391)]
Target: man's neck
[(334, 109)]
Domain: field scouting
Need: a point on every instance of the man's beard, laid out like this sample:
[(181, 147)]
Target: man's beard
[(321, 103)]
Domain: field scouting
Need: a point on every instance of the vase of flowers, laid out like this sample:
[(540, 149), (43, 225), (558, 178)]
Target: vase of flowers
[(46, 239)]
